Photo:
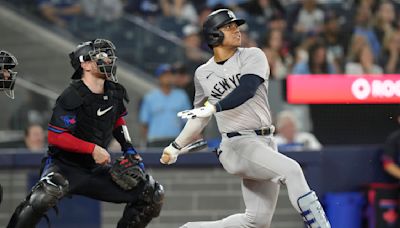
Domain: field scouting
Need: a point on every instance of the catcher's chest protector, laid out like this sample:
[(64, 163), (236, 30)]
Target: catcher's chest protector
[(98, 113)]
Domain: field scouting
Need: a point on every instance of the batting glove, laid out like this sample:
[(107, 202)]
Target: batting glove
[(207, 110), (170, 154)]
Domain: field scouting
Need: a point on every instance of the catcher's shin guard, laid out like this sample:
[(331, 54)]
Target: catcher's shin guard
[(140, 213), (44, 195), (312, 212)]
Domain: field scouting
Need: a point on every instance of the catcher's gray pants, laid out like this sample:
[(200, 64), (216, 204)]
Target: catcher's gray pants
[(257, 161)]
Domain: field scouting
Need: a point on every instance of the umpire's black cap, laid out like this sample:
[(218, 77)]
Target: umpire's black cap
[(216, 20)]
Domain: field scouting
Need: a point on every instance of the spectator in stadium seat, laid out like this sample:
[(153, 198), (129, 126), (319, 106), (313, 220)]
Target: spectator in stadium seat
[(356, 44), (194, 56), (309, 19), (204, 11), (390, 59), (334, 38), (301, 50), (277, 54), (317, 62), (277, 22), (290, 138), (180, 9), (247, 40), (158, 110), (263, 9), (232, 4), (59, 12), (370, 4), (192, 42), (363, 64), (384, 20), (363, 28), (107, 11), (145, 8), (391, 153), (183, 80), (35, 138)]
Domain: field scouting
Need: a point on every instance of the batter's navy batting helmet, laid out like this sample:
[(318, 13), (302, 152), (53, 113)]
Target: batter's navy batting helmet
[(101, 51), (216, 20)]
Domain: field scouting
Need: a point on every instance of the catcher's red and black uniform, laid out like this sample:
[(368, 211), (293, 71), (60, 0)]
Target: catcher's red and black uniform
[(74, 131), (80, 120)]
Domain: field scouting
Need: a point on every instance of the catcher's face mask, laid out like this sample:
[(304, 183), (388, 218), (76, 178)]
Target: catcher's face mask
[(103, 54), (7, 75)]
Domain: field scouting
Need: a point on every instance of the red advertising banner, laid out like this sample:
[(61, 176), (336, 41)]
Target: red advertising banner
[(343, 89)]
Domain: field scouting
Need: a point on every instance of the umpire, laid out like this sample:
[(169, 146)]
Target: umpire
[(7, 81), (86, 116)]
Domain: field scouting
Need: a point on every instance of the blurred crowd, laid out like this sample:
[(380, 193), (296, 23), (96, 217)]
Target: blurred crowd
[(297, 36)]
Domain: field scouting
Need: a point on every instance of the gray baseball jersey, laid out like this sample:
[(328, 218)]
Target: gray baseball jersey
[(215, 81), (254, 158)]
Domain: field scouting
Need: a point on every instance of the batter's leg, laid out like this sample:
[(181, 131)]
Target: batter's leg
[(257, 158), (260, 199)]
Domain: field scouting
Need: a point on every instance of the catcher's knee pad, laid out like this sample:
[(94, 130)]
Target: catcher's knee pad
[(140, 213), (312, 212), (153, 197), (43, 196)]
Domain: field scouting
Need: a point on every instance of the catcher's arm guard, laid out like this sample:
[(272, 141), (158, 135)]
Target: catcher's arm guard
[(128, 171)]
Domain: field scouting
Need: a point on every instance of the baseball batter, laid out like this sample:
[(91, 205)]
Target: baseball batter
[(233, 85)]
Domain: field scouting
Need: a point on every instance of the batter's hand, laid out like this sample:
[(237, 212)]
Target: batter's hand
[(170, 155), (207, 110), (100, 155)]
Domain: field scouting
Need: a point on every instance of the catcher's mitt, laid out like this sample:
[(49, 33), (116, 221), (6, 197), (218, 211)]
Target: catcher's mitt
[(127, 171)]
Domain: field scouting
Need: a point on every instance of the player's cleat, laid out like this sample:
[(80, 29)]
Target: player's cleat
[(312, 212)]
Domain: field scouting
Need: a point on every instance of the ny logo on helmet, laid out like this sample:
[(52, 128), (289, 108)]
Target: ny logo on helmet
[(231, 15)]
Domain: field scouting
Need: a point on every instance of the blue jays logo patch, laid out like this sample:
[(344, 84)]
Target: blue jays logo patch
[(68, 120)]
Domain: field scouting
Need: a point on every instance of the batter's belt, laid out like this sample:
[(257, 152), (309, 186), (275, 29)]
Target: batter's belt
[(263, 131)]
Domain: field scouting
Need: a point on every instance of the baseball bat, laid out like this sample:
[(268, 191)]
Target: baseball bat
[(194, 147), (191, 148)]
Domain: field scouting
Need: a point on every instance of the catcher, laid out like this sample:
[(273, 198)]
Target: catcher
[(85, 117)]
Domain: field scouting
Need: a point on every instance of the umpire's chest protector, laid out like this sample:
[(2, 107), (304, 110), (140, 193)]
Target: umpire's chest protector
[(97, 114)]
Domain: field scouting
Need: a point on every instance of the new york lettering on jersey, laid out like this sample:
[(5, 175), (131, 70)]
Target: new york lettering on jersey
[(226, 84), (215, 81)]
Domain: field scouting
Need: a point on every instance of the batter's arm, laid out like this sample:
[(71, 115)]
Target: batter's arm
[(192, 128), (246, 90)]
